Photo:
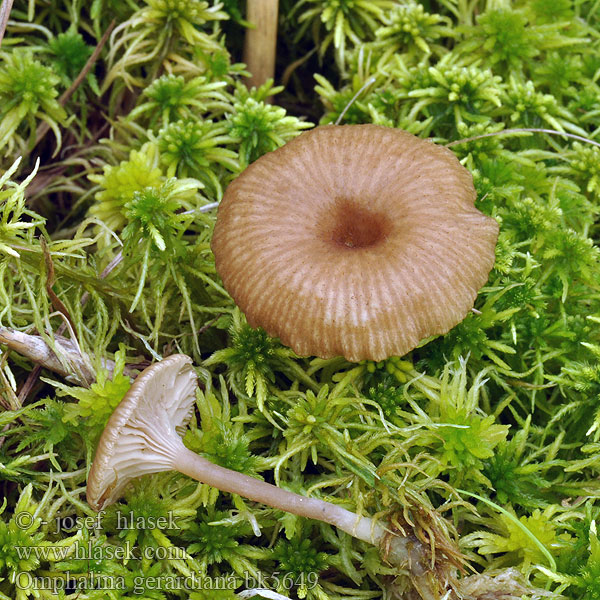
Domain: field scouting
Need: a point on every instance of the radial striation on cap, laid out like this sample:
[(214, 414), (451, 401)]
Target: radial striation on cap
[(354, 240)]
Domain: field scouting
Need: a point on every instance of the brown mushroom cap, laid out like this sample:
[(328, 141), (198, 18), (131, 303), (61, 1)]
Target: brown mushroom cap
[(354, 240)]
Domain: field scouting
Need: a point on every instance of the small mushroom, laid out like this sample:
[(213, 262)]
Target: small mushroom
[(143, 435), (354, 240)]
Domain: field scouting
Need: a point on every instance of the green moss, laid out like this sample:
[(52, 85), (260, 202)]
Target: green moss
[(27, 92), (487, 436)]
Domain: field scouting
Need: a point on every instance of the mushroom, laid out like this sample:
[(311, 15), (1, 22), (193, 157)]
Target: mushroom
[(143, 435), (354, 240)]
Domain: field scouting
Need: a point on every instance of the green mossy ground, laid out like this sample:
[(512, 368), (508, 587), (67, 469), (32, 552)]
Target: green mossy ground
[(489, 435)]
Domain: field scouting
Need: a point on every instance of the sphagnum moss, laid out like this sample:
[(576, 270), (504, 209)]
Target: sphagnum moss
[(396, 438)]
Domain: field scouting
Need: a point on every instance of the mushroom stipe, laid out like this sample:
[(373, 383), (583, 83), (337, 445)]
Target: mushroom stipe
[(143, 436)]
